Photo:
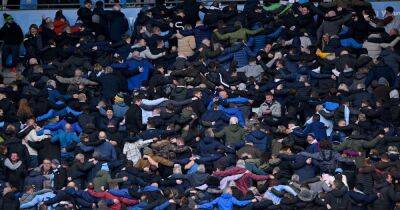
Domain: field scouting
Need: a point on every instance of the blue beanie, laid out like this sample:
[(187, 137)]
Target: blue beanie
[(331, 106)]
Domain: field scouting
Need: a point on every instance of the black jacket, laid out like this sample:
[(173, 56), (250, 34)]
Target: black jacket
[(11, 34)]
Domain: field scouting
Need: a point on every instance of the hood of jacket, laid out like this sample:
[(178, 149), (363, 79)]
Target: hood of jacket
[(234, 128)]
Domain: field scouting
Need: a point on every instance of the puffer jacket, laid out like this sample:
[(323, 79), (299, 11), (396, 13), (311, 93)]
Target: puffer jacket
[(231, 134), (388, 196), (259, 139), (375, 48)]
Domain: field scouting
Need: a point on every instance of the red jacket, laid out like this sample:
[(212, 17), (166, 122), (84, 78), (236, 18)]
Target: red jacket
[(243, 183), (107, 195)]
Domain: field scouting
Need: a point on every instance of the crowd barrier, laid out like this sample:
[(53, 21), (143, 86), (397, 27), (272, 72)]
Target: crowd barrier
[(27, 17)]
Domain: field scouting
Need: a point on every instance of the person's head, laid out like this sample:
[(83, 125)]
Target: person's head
[(142, 42), (233, 121), (46, 165), (80, 157), (269, 97), (197, 94), (337, 184), (8, 18), (227, 190), (31, 122), (156, 30), (29, 189), (33, 29), (177, 169), (102, 135), (223, 94), (78, 73), (109, 113), (14, 157), (310, 138), (68, 127), (325, 145), (116, 7), (389, 11), (88, 4), (304, 10), (316, 118), (286, 150), (252, 60)]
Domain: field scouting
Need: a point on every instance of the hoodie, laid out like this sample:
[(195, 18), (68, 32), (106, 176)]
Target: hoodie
[(225, 202)]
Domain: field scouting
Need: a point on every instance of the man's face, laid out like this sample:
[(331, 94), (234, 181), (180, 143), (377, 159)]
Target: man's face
[(109, 113), (14, 157), (310, 139), (269, 98), (33, 31), (46, 165), (223, 94)]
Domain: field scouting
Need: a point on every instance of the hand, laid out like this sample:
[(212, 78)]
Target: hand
[(200, 49), (215, 30), (212, 123), (145, 156), (94, 48), (69, 178), (178, 181), (93, 205), (233, 87), (140, 69), (333, 77), (171, 201), (195, 98), (271, 177), (279, 87), (254, 200), (258, 58), (125, 178), (115, 201)]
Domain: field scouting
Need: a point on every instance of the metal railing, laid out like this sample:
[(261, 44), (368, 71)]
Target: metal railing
[(129, 4)]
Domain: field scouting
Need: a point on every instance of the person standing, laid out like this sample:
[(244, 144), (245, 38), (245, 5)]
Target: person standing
[(11, 35)]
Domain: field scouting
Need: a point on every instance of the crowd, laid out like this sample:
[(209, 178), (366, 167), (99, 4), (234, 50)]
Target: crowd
[(281, 105)]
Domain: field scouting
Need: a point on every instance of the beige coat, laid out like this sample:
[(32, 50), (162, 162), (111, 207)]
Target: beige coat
[(186, 45)]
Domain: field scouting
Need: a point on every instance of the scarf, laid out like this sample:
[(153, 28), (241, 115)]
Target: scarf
[(12, 166)]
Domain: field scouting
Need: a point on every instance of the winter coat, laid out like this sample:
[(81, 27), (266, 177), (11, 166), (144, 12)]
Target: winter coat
[(103, 178), (132, 65), (11, 34), (14, 145), (110, 85), (118, 25), (338, 199), (259, 139), (186, 45), (360, 200), (133, 118), (65, 138), (201, 32), (15, 173), (241, 55), (243, 183), (275, 107), (36, 179), (375, 49), (328, 160), (317, 128), (232, 135), (388, 196), (241, 34), (107, 151), (225, 202), (254, 71), (132, 149)]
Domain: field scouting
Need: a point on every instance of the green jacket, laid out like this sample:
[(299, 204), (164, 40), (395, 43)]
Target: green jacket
[(360, 145), (103, 178), (236, 35), (232, 134)]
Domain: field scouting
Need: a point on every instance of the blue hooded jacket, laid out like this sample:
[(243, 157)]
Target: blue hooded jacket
[(225, 202), (133, 65)]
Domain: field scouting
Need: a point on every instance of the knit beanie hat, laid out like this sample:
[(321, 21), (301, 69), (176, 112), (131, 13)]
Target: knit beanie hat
[(7, 17)]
